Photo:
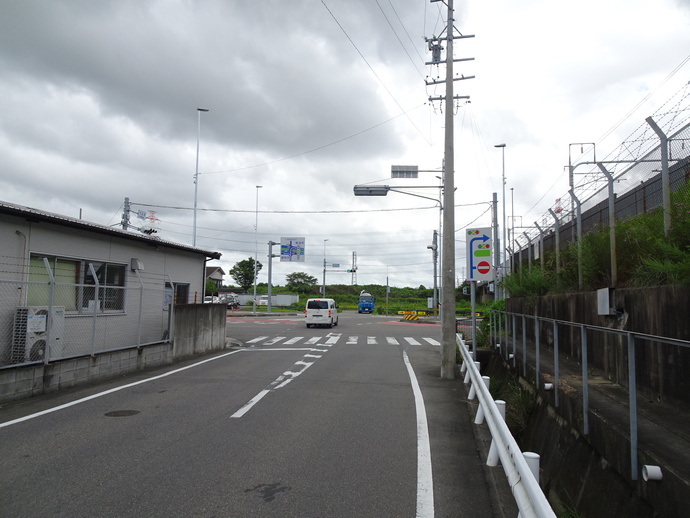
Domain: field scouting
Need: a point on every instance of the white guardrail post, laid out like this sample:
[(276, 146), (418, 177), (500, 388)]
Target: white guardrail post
[(528, 495)]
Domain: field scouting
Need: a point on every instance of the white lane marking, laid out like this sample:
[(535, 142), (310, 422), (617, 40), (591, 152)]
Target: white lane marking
[(257, 339), (116, 389), (274, 340), (292, 375), (432, 341), (288, 376), (282, 380), (411, 341), (293, 340), (351, 340), (425, 481), (313, 340), (371, 340), (392, 341), (251, 403), (290, 349)]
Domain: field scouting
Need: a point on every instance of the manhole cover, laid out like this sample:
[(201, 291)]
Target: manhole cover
[(121, 413)]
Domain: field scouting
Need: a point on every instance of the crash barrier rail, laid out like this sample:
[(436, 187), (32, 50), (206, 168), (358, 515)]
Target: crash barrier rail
[(521, 469), (503, 324)]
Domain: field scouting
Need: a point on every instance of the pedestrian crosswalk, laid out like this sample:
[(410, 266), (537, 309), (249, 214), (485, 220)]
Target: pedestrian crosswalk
[(335, 338)]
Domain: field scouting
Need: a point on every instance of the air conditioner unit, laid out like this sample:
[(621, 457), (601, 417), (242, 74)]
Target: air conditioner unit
[(30, 332)]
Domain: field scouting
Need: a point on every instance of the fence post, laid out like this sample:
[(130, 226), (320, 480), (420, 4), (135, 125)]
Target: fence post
[(555, 363), (479, 418), (612, 225), (171, 315), (578, 222), (665, 180), (49, 317), (141, 306), (524, 345), (505, 341), (632, 395), (558, 244), (536, 349), (541, 245), (95, 307), (585, 381), (514, 338), (493, 458), (529, 252)]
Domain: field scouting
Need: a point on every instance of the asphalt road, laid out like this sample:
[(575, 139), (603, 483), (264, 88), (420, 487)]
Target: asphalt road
[(296, 422)]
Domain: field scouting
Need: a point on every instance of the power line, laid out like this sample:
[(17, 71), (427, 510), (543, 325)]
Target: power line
[(319, 148), (374, 72), (247, 211)]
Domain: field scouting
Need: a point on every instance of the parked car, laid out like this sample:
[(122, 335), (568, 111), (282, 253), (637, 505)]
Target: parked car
[(233, 301)]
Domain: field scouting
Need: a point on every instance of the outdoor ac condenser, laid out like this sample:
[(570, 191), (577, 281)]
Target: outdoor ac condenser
[(30, 333)]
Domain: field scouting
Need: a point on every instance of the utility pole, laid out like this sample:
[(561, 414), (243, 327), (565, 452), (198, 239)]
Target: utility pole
[(271, 255), (434, 254), (125, 215), (496, 251), (448, 330), (354, 268)]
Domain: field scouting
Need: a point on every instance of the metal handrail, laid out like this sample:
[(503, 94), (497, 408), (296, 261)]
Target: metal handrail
[(503, 329), (525, 487)]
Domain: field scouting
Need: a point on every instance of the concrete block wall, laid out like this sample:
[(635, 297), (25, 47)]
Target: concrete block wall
[(199, 329)]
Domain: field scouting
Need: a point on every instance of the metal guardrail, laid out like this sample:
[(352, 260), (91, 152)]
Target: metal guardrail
[(521, 469), (504, 324)]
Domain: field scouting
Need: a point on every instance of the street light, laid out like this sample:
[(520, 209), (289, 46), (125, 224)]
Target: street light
[(371, 190), (256, 241), (382, 190), (196, 174), (504, 252), (323, 288)]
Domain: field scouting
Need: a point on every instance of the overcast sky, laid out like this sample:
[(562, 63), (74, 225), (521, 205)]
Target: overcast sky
[(308, 98)]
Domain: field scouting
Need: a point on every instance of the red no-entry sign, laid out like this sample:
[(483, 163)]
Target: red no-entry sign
[(483, 267)]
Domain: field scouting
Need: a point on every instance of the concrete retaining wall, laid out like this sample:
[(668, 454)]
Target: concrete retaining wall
[(661, 369)]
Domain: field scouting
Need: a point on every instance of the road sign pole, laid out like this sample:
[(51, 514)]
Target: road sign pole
[(473, 305)]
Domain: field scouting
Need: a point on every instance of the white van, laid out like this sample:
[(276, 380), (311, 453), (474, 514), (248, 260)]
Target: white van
[(321, 312)]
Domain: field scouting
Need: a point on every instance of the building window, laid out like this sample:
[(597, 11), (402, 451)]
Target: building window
[(76, 284)]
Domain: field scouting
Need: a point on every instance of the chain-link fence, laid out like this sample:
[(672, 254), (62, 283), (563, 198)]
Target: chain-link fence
[(49, 318), (631, 176)]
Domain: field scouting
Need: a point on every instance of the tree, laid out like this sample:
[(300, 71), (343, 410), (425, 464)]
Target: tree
[(243, 273), (211, 288), (300, 282)]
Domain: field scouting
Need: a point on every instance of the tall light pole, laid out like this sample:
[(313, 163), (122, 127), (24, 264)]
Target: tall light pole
[(196, 174), (502, 250), (256, 241), (323, 288), (512, 224)]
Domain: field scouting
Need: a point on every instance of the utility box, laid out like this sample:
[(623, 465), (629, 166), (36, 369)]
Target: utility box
[(604, 302)]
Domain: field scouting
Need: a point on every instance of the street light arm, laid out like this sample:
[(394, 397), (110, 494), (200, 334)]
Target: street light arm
[(418, 195)]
